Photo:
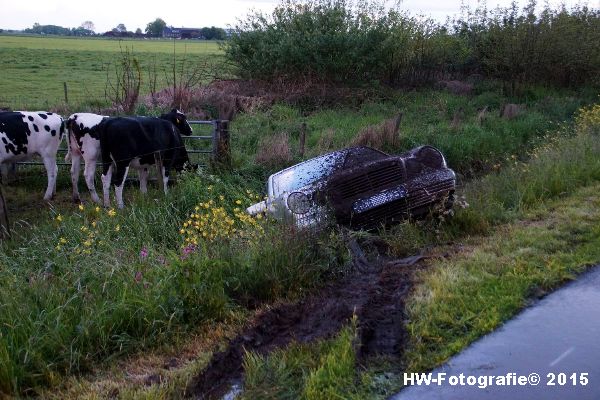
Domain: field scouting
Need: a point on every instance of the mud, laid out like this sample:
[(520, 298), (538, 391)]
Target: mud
[(375, 295)]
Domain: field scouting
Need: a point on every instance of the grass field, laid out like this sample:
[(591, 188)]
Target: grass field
[(34, 69)]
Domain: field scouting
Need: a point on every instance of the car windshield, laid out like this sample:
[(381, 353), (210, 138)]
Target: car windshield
[(305, 173)]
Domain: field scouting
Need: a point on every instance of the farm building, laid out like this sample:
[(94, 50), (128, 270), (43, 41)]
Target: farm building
[(182, 33)]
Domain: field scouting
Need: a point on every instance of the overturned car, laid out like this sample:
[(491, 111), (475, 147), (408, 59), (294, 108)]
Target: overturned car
[(359, 187)]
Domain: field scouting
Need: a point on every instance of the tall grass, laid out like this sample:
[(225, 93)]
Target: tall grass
[(427, 119), (322, 370), (555, 169), (97, 283)]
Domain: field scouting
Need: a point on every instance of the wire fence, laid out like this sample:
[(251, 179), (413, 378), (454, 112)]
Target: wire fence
[(208, 143)]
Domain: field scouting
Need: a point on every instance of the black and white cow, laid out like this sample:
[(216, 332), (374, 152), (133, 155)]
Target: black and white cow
[(134, 141), (24, 134), (83, 143)]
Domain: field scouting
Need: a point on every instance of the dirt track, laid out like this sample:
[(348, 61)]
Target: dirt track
[(376, 295)]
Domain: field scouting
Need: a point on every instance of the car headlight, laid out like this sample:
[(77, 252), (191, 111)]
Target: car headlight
[(299, 203)]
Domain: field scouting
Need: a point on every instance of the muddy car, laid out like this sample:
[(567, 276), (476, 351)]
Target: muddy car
[(360, 187)]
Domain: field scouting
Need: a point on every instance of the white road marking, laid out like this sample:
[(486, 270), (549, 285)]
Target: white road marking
[(563, 355)]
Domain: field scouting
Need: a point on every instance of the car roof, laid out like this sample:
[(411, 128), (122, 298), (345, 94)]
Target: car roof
[(342, 152)]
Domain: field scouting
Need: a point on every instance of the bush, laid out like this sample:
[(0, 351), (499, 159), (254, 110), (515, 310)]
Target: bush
[(363, 43), (526, 46)]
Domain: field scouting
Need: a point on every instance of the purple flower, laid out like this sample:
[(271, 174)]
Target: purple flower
[(143, 253), (187, 250)]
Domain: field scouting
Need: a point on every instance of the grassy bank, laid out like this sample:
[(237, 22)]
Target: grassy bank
[(87, 285), (98, 283), (552, 204), (471, 141)]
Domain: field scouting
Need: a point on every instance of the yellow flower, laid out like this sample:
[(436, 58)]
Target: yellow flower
[(238, 202), (94, 224), (97, 209), (117, 228), (111, 213), (63, 240), (59, 218), (87, 243), (182, 231), (58, 247), (221, 197), (81, 207)]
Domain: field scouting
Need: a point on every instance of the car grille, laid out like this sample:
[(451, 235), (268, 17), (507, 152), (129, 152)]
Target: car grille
[(373, 179), (400, 209)]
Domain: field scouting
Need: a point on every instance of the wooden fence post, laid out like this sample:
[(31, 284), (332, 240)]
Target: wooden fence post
[(302, 139), (66, 93), (222, 149)]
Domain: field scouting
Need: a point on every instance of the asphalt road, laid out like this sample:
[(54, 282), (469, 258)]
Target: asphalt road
[(558, 339)]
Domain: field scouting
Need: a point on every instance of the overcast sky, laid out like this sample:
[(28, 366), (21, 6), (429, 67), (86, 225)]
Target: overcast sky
[(106, 14)]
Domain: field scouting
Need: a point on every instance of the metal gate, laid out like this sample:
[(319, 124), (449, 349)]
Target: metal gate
[(217, 150)]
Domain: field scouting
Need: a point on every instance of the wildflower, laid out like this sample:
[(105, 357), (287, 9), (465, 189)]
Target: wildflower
[(221, 197), (111, 213), (94, 224), (87, 243), (187, 250), (97, 209), (59, 218), (238, 202), (117, 228), (58, 248), (62, 240), (143, 253), (81, 207)]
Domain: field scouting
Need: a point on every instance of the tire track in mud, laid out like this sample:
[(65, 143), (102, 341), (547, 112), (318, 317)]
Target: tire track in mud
[(376, 296)]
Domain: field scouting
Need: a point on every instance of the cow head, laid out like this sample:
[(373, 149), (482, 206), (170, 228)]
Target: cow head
[(178, 119)]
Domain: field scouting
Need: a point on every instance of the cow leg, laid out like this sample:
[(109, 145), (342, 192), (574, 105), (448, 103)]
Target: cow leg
[(143, 175), (119, 188), (51, 169), (165, 174), (75, 166), (89, 173), (106, 179)]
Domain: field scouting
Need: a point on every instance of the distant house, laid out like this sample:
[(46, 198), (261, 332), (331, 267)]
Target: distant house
[(182, 33)]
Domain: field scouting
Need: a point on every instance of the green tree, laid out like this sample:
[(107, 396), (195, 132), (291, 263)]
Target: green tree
[(120, 28), (155, 28)]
